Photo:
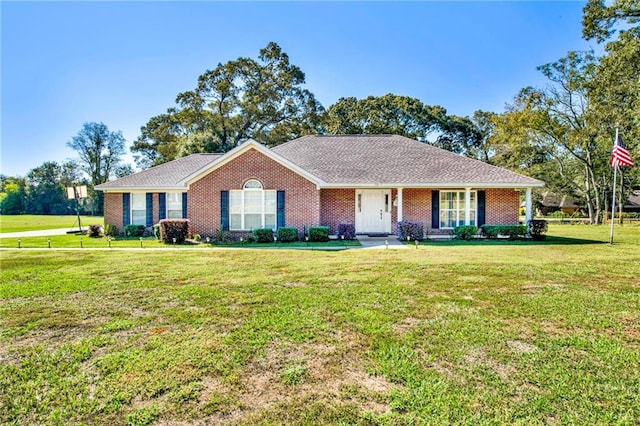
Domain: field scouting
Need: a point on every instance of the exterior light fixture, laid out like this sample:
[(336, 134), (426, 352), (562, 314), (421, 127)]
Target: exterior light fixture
[(81, 246), (49, 242), (19, 241), (109, 241), (140, 242)]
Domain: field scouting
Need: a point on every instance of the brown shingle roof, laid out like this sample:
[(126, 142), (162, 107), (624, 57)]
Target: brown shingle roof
[(167, 175), (388, 159)]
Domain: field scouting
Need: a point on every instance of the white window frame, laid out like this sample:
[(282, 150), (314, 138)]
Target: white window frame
[(136, 196), (176, 212), (458, 210), (252, 186)]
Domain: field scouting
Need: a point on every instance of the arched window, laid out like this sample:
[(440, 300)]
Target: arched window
[(252, 207)]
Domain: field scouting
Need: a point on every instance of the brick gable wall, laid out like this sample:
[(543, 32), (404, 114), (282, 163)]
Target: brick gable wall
[(502, 206), (113, 209), (302, 198)]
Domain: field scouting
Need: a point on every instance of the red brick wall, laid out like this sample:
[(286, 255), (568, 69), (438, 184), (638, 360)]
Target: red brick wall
[(302, 198), (502, 206), (338, 206), (113, 209), (417, 205)]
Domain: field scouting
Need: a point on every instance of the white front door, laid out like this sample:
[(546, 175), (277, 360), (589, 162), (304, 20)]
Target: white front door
[(373, 211)]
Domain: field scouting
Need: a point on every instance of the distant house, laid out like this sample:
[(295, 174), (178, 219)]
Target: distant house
[(632, 205), (553, 202), (372, 182)]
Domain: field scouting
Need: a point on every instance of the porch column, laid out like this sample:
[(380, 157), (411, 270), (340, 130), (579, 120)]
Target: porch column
[(467, 206), (400, 204), (527, 208)]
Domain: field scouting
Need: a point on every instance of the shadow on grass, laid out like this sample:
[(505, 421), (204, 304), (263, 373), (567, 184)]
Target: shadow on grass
[(550, 240)]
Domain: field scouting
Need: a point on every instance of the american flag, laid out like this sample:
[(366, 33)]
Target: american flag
[(620, 155)]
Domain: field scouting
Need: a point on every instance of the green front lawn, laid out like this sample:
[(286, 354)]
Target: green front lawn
[(513, 333), (27, 222)]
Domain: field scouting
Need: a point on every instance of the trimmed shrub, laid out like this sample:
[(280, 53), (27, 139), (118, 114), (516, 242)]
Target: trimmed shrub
[(111, 230), (319, 234), (287, 234), (465, 232), (511, 231), (346, 230), (180, 229), (263, 235), (134, 230), (538, 229), (95, 231), (413, 230)]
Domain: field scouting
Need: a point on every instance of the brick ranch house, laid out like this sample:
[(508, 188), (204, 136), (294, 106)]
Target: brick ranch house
[(373, 182)]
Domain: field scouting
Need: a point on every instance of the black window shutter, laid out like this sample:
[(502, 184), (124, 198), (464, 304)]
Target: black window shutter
[(149, 207), (280, 209), (435, 209), (162, 205), (126, 209), (184, 205), (224, 210), (481, 208)]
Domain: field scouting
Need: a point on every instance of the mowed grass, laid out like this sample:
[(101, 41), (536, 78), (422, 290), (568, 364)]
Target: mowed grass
[(514, 333), (26, 222)]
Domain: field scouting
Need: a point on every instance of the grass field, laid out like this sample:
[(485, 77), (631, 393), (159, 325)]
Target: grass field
[(27, 222), (449, 333)]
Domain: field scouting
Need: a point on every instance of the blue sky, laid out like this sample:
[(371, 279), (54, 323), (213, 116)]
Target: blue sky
[(67, 63)]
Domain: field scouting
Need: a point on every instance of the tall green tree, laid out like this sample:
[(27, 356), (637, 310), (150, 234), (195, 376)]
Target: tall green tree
[(246, 98), (46, 190), (401, 115), (600, 18), (13, 195)]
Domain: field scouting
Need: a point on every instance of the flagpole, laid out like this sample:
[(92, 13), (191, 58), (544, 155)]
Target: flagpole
[(613, 203)]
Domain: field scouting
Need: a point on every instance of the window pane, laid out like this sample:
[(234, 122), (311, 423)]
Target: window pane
[(253, 202), (235, 221), (269, 201), (461, 197), (235, 202), (447, 199), (473, 200), (252, 184), (138, 217), (174, 214), (447, 218), (270, 221), (252, 221), (174, 201), (472, 218), (138, 201)]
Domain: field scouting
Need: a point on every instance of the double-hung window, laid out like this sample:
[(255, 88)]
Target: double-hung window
[(174, 205), (453, 208), (138, 208), (252, 207)]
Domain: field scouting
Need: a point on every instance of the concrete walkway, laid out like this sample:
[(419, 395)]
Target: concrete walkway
[(390, 242), (41, 233)]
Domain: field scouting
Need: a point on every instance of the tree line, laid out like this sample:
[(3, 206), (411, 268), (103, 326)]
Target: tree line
[(561, 133)]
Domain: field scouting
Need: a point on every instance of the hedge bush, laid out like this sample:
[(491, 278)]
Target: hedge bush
[(180, 229), (538, 229), (263, 235), (287, 234), (511, 231), (465, 232), (346, 230), (413, 230), (134, 230), (111, 230), (319, 234), (95, 231)]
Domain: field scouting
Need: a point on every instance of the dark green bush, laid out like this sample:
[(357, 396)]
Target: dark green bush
[(111, 230), (413, 230), (180, 229), (319, 234), (465, 232), (511, 231), (263, 235), (346, 231), (287, 235), (134, 230), (538, 229), (95, 231), (156, 231)]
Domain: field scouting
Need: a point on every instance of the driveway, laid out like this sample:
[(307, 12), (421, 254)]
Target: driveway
[(41, 233)]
